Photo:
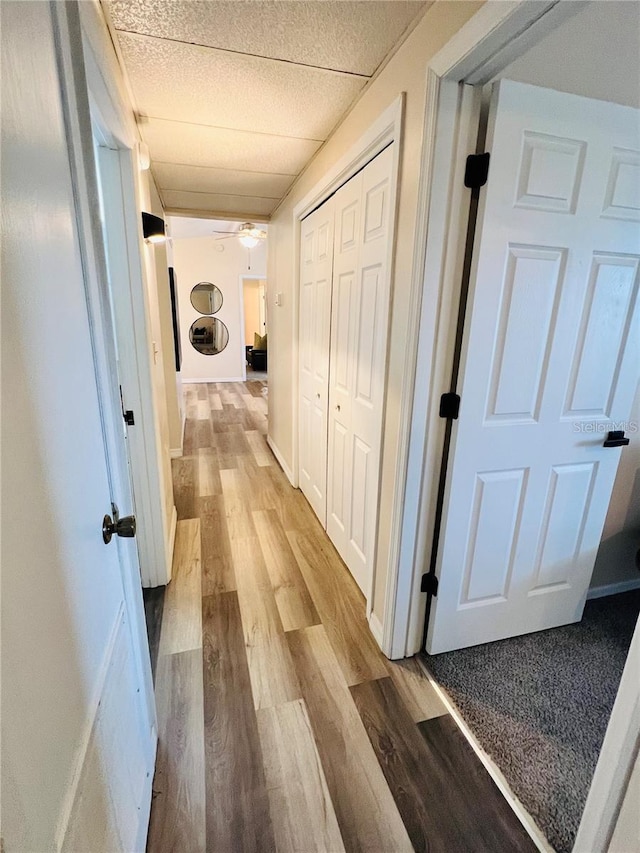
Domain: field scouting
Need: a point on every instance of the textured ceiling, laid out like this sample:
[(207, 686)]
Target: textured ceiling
[(235, 98)]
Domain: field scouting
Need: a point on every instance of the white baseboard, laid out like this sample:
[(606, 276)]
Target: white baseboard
[(612, 589), (532, 828), (281, 461), (215, 379), (375, 626)]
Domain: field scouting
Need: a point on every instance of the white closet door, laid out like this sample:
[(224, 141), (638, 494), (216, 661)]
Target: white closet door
[(550, 366), (359, 323), (316, 258)]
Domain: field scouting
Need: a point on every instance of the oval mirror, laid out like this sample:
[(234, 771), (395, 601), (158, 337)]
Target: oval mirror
[(206, 298), (208, 335)]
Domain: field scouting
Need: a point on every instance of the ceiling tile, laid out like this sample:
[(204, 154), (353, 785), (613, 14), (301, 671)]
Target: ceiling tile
[(172, 176), (197, 145), (244, 205), (347, 36), (205, 86)]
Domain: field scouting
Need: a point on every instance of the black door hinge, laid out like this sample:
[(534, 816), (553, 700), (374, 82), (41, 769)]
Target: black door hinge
[(476, 171), (128, 417), (429, 584), (450, 406)]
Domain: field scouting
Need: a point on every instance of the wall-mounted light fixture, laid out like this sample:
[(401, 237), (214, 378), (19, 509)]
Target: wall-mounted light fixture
[(153, 228)]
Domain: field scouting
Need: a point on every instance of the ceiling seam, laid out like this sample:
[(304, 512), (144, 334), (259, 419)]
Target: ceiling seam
[(225, 168), (142, 119), (246, 53), (228, 195)]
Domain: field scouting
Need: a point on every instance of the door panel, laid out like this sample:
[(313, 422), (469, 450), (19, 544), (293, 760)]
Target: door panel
[(549, 364), (360, 313), (316, 257)]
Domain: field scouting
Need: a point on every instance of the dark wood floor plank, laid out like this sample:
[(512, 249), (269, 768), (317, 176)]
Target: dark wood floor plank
[(238, 816), (446, 798), (341, 606), (177, 822), (367, 814), (295, 605), (185, 486), (153, 598), (218, 573)]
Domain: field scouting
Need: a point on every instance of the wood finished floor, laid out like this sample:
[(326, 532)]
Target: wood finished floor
[(282, 726)]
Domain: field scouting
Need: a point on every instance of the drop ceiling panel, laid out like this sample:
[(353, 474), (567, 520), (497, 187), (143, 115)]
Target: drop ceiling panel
[(172, 176), (348, 36), (197, 145), (218, 203), (204, 86)]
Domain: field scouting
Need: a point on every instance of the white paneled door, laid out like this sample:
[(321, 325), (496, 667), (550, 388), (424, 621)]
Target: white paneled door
[(359, 322), (549, 366), (316, 262)]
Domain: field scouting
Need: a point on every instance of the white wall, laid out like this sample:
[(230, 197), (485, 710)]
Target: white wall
[(596, 53), (172, 385), (405, 72), (222, 262)]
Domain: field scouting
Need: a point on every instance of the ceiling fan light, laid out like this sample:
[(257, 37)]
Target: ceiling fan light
[(249, 241)]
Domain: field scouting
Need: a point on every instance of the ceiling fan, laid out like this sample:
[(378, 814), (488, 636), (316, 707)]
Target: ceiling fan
[(248, 235)]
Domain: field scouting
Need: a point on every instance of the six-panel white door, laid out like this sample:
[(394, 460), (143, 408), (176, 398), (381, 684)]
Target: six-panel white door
[(359, 323), (316, 260), (550, 363)]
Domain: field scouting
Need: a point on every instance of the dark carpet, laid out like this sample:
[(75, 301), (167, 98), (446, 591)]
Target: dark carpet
[(540, 704)]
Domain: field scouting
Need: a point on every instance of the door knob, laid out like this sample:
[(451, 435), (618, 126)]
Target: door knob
[(616, 438), (125, 526)]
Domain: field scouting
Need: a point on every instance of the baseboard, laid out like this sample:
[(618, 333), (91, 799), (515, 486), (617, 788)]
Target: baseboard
[(281, 462), (375, 626), (612, 589), (532, 828), (215, 379), (175, 452)]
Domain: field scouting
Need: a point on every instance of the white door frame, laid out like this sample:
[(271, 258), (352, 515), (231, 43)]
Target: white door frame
[(81, 160), (387, 128), (242, 277), (116, 125), (496, 35)]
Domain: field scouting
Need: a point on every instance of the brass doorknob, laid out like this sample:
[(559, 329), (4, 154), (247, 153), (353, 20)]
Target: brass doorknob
[(125, 526)]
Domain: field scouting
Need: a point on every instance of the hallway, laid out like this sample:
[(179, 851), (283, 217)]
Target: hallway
[(281, 724)]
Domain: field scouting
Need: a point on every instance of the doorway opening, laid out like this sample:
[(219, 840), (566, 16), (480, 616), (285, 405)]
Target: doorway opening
[(538, 701), (254, 304)]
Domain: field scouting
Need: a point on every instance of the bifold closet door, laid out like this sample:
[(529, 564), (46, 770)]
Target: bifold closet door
[(316, 260), (359, 324)]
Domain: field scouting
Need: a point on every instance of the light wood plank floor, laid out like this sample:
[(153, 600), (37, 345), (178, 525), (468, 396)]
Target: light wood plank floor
[(282, 726)]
